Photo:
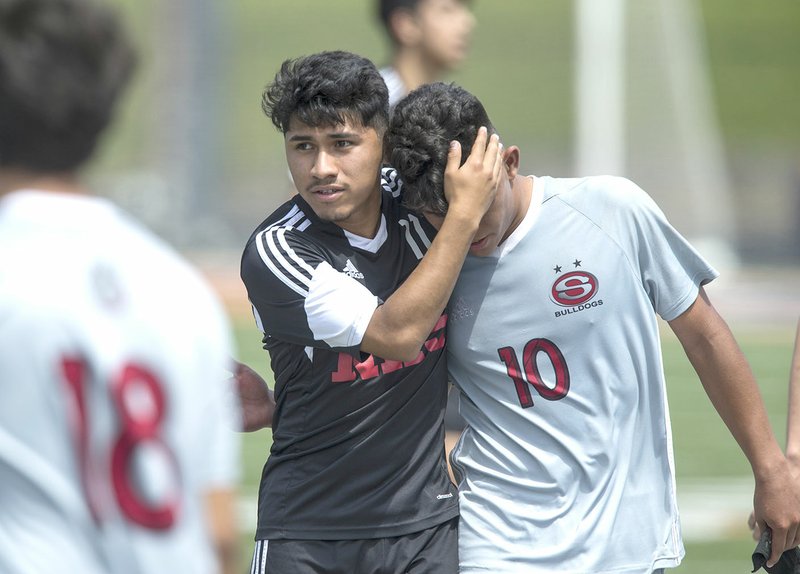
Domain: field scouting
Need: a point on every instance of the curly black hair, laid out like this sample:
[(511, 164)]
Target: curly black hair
[(326, 89), (422, 126), (63, 64)]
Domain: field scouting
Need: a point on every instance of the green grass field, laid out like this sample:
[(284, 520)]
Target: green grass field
[(704, 450)]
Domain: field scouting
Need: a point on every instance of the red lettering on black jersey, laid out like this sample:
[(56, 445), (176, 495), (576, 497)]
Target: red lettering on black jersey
[(347, 370)]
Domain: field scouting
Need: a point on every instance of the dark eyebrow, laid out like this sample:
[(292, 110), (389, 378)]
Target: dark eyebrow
[(344, 135), (334, 136)]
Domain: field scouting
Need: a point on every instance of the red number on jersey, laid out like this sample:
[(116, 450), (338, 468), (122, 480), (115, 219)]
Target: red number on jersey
[(529, 356), (140, 405)]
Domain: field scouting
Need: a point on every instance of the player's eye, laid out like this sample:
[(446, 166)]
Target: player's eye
[(302, 146), (343, 143)]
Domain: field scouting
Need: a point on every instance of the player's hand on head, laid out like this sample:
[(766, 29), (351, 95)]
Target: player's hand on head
[(470, 188)]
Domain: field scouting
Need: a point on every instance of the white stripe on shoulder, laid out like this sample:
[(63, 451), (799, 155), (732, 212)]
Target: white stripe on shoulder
[(295, 218), (286, 270), (291, 218), (299, 262)]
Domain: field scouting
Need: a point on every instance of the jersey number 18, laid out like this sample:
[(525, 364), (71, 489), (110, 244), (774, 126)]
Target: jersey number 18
[(139, 403)]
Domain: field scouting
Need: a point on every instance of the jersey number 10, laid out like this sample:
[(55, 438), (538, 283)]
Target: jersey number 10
[(139, 427), (530, 355)]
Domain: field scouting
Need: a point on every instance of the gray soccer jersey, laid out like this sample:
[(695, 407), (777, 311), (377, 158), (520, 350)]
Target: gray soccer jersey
[(567, 465), (114, 418)]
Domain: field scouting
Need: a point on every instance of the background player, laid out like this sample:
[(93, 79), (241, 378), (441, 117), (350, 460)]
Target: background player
[(428, 38), (566, 462), (356, 479), (116, 448)]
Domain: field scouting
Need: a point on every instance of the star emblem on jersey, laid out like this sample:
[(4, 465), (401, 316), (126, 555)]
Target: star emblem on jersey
[(351, 271)]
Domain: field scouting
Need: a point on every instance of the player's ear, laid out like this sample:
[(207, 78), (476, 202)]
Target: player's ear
[(404, 27), (511, 161)]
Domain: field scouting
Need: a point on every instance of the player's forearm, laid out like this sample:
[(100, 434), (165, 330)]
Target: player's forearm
[(401, 325), (730, 385), (793, 422)]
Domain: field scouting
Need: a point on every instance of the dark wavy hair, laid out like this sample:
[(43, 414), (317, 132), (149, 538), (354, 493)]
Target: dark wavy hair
[(63, 64), (326, 89), (423, 125)]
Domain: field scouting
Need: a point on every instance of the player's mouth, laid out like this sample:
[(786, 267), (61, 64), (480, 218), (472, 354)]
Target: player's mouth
[(327, 192)]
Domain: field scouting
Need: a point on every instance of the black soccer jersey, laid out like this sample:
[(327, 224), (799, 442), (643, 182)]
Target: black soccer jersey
[(358, 441)]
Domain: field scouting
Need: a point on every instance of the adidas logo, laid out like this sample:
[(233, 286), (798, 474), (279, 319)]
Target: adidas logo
[(461, 309), (351, 271)]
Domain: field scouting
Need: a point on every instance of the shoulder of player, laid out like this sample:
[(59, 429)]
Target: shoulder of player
[(288, 221), (601, 193), (397, 215)]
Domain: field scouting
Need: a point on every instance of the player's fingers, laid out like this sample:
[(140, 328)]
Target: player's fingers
[(499, 162), (479, 145), (778, 546), (453, 158), (492, 154)]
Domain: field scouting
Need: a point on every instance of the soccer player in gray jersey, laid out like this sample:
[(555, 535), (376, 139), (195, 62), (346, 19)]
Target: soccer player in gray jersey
[(566, 464), (352, 317)]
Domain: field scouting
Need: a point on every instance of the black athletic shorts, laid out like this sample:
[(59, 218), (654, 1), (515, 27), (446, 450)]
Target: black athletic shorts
[(431, 551)]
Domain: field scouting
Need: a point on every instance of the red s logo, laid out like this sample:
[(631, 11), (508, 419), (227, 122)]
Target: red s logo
[(574, 288)]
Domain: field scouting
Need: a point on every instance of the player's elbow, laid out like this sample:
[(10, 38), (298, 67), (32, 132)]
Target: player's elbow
[(394, 346), (408, 352)]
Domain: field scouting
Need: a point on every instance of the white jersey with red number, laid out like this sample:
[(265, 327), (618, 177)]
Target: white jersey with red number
[(567, 465), (114, 416)]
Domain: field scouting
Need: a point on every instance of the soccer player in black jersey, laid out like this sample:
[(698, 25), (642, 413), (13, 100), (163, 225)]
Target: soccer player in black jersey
[(354, 318)]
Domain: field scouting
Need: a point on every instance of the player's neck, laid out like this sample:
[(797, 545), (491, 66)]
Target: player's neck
[(12, 179), (415, 70), (522, 194)]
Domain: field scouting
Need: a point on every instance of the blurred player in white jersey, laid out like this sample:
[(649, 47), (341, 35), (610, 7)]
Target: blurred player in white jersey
[(428, 39), (117, 453), (566, 462)]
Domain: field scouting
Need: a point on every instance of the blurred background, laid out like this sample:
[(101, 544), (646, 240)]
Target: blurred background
[(695, 100), (710, 121)]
